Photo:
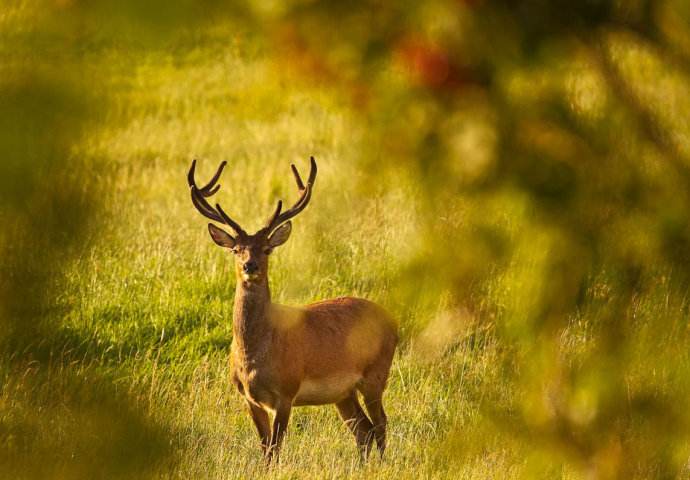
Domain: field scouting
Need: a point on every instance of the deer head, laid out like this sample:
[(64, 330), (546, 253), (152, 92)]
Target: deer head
[(251, 251)]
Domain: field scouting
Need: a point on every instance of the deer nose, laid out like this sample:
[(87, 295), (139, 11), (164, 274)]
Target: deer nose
[(250, 267)]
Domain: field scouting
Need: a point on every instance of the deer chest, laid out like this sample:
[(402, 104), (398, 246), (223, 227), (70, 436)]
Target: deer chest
[(256, 385)]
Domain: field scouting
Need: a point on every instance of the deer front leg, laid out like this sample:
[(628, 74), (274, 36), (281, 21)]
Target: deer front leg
[(280, 423), (263, 425)]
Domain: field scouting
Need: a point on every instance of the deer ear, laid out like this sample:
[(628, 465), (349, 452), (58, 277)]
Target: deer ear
[(221, 237), (280, 235)]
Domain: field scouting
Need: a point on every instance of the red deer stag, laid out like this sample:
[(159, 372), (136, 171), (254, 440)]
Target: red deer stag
[(321, 353)]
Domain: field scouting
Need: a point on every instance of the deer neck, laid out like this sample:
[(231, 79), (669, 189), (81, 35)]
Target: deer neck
[(251, 326)]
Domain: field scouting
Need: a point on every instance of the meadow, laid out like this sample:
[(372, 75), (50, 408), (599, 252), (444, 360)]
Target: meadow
[(496, 376)]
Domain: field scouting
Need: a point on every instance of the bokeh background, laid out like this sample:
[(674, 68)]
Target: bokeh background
[(510, 178)]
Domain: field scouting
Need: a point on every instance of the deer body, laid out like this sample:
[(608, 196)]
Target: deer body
[(309, 355), (322, 353)]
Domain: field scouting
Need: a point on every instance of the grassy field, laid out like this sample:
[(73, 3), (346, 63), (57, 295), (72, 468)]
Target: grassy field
[(142, 305)]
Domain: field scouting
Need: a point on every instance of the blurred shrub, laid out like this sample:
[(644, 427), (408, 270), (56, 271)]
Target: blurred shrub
[(550, 139)]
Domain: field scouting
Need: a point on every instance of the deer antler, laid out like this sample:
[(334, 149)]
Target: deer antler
[(279, 218), (199, 196)]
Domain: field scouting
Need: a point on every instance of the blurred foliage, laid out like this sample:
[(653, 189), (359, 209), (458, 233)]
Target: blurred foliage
[(58, 419), (545, 147), (561, 129)]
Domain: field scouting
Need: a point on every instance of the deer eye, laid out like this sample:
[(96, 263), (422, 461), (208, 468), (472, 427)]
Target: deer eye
[(268, 251)]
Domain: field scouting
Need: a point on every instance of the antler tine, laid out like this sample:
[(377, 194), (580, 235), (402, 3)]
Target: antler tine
[(275, 215), (208, 189), (312, 171), (298, 179), (199, 196), (301, 203), (229, 221), (203, 207)]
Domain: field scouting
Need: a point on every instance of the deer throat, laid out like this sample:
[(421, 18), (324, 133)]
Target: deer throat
[(252, 331)]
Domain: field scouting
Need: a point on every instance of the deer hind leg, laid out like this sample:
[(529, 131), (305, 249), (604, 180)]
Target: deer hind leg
[(372, 388), (262, 424), (374, 406), (356, 420)]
